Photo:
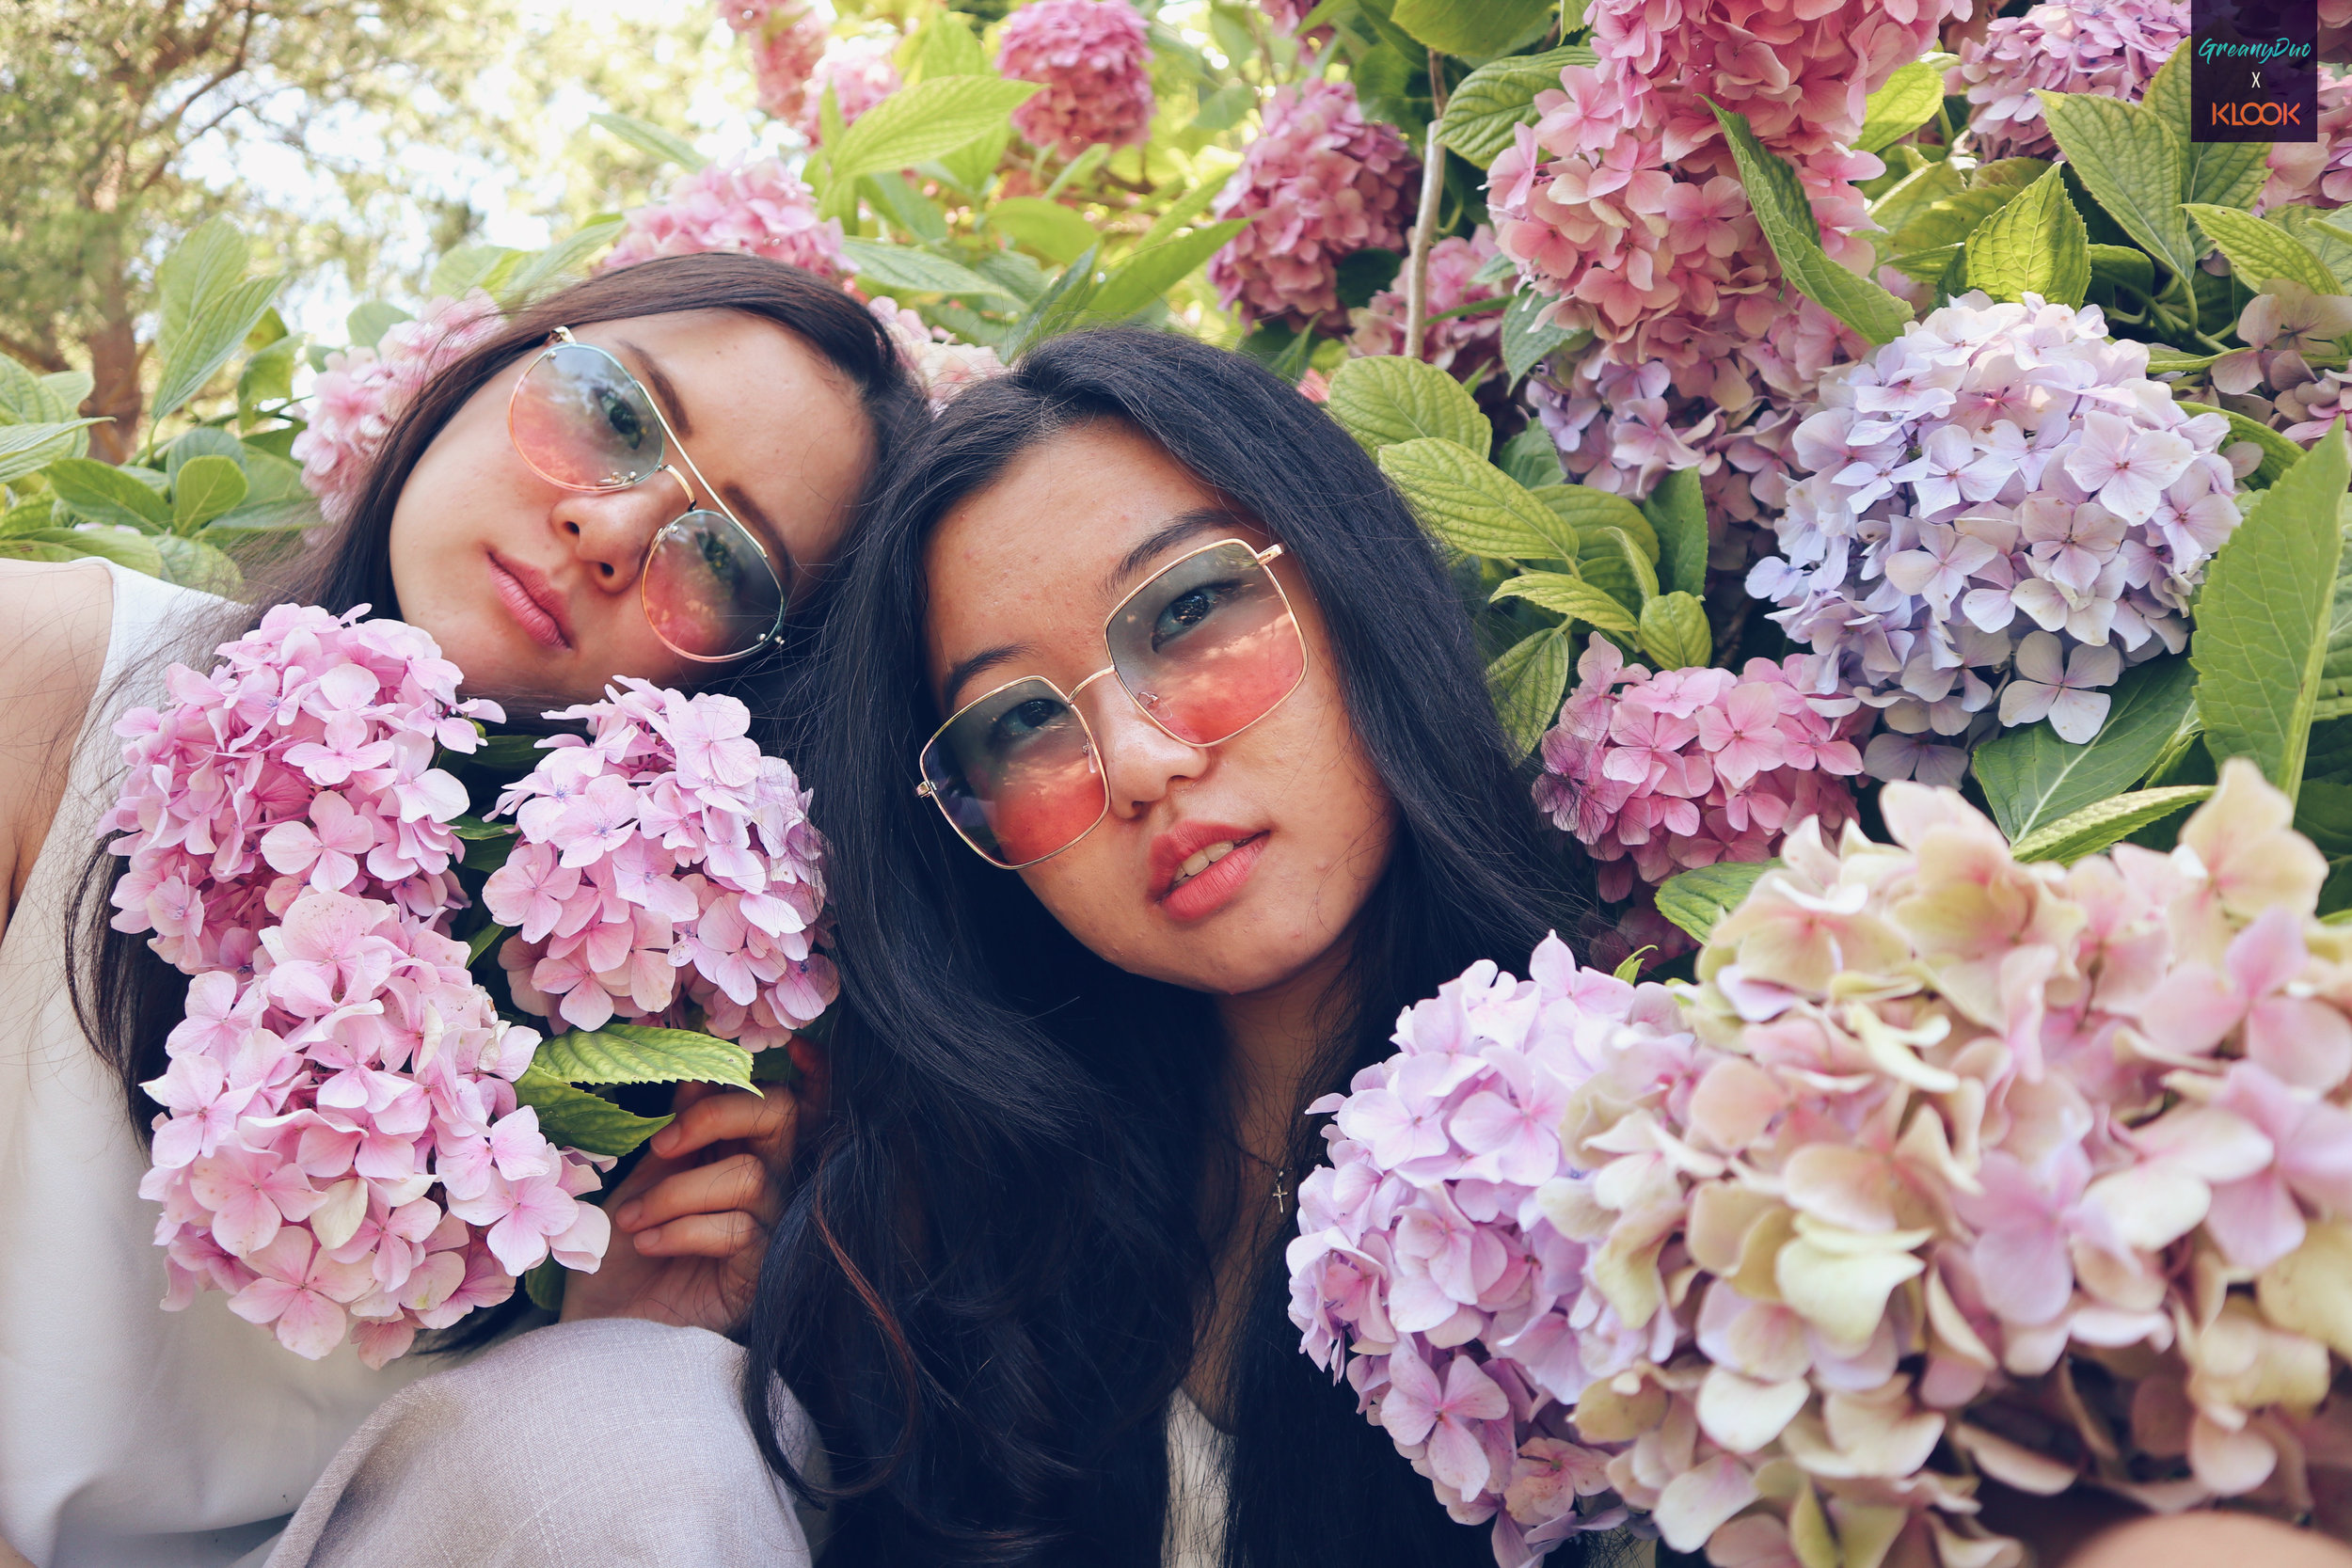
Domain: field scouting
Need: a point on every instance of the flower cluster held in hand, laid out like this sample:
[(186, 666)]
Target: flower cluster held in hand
[(363, 389), (1655, 774), (342, 1150), (2109, 48), (1319, 184), (1999, 508), (759, 208), (1090, 55), (1424, 1273), (303, 760), (664, 863)]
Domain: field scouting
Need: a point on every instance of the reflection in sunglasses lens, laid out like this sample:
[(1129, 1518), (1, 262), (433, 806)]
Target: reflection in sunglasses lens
[(708, 588), (1209, 646), (1016, 774), (583, 421)]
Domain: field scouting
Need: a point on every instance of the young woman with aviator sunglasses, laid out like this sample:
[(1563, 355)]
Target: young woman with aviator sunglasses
[(536, 509)]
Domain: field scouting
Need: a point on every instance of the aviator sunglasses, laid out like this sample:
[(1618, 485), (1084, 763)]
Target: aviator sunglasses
[(1204, 648), (711, 590)]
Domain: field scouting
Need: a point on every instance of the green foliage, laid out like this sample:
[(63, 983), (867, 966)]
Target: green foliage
[(2034, 245), (1673, 631), (1785, 215), (1472, 505), (2133, 163), (207, 306), (1527, 684), (2031, 778), (1911, 98), (1698, 899), (1384, 399), (1474, 28), (928, 119), (1527, 341), (663, 145), (1573, 597), (904, 267), (1492, 101), (2106, 823), (2279, 454), (632, 1054), (2260, 252), (1678, 510), (579, 1119)]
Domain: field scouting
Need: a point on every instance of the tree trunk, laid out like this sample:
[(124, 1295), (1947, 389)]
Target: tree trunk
[(114, 360)]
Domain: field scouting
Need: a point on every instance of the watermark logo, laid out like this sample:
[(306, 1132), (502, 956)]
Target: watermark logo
[(2254, 71)]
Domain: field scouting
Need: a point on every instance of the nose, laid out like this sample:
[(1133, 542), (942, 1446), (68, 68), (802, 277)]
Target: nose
[(609, 532), (1140, 761)]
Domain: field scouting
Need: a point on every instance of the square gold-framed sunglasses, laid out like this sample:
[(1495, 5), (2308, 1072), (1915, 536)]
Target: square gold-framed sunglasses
[(711, 590), (1204, 648)]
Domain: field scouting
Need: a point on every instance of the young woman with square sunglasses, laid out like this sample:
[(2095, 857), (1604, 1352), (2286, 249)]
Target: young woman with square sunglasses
[(643, 474)]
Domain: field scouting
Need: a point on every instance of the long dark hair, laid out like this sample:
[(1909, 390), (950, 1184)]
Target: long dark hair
[(987, 1285), (126, 997)]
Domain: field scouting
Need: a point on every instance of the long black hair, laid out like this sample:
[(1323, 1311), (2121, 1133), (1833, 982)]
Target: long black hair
[(989, 1281), (126, 997)]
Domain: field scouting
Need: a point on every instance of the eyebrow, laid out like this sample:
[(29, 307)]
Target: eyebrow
[(987, 658), (672, 405), (730, 494), (1183, 526)]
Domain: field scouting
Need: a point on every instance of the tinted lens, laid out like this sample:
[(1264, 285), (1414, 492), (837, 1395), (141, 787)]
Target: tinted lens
[(1015, 772), (583, 421), (1209, 645), (709, 592)]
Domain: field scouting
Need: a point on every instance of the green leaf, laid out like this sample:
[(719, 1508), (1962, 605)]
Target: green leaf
[(208, 306), (1950, 219), (575, 1118), (2015, 173), (1137, 282), (2279, 454), (274, 498), (2106, 822), (28, 447), (2324, 240), (2032, 779), (2260, 252), (1053, 230), (1673, 631), (914, 213), (2227, 174), (1698, 899), (203, 266), (1472, 505), (928, 120), (542, 269), (1677, 508), (508, 753), (1525, 341), (1475, 29), (1785, 215), (1590, 511), (1640, 566), (2264, 615), (1573, 597), (2119, 263), (1531, 459), (1495, 100), (666, 146), (1385, 398), (1909, 99), (14, 548), (2035, 245), (972, 168), (203, 441), (2323, 813), (367, 322), (2132, 165), (483, 941), (1182, 211), (899, 266), (1061, 307), (633, 1054), (471, 266), (946, 45), (205, 488), (2335, 674), (193, 563), (1527, 684), (104, 493), (121, 545), (1912, 193), (544, 1285), (29, 399)]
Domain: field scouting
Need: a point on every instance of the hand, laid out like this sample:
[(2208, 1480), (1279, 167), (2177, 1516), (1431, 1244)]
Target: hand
[(691, 1223)]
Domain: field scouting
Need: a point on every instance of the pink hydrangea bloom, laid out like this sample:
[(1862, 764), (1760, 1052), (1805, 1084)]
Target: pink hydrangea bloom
[(1090, 55), (2316, 173), (788, 39), (1655, 774), (303, 760), (759, 208), (667, 873), (2113, 48), (363, 390), (861, 73), (1935, 1132), (943, 365), (2000, 487), (340, 1127), (1319, 184), (1463, 345)]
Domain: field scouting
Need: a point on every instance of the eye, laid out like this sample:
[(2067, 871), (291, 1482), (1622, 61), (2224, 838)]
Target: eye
[(1023, 720), (1187, 611), (625, 421)]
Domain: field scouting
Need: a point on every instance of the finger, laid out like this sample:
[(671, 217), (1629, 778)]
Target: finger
[(738, 1181), (816, 1089), (701, 1236), (764, 1116)]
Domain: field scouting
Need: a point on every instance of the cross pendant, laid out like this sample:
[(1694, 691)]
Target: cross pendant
[(1281, 1192)]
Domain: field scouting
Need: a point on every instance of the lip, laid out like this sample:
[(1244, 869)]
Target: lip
[(1215, 887), (532, 600)]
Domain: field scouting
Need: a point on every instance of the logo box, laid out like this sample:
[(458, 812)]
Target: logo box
[(2254, 71)]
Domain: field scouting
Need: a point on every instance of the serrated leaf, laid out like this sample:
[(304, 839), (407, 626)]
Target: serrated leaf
[(1385, 398), (1643, 570), (1673, 631), (1573, 597), (274, 498), (944, 45), (205, 488), (1137, 284), (1950, 219), (203, 266), (2261, 252), (1181, 212), (104, 493), (215, 328), (652, 140), (1472, 505), (2279, 454), (2335, 674), (1589, 511), (1698, 899), (2035, 245), (928, 120), (1914, 193), (1060, 307), (2015, 173), (2133, 166), (634, 1054), (1527, 684), (2324, 240), (2227, 174), (574, 1118), (2031, 777), (2323, 813), (1531, 459), (972, 168), (1475, 29), (28, 447), (1492, 101), (2264, 615), (1785, 213), (1053, 230), (193, 563), (1909, 99), (29, 399), (1677, 508), (1526, 340), (899, 266), (2120, 263), (907, 209), (2106, 822)]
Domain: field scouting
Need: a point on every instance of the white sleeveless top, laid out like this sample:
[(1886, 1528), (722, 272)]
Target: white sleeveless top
[(129, 1437)]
